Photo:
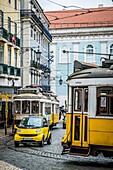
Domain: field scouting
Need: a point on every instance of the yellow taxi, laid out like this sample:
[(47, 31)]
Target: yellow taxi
[(32, 130)]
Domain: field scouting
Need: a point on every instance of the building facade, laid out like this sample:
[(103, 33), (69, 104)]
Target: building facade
[(24, 51), (10, 73), (86, 34), (35, 46)]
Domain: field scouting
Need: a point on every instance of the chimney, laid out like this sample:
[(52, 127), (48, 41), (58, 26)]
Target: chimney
[(100, 5)]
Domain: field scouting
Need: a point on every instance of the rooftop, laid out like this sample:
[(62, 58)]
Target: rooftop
[(92, 17)]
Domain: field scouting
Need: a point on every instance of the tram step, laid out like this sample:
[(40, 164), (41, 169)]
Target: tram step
[(77, 154), (66, 151), (78, 151)]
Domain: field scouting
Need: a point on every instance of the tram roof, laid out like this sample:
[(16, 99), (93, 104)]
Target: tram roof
[(93, 73), (87, 70)]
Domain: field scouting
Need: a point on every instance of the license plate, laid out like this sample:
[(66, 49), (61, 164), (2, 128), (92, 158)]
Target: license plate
[(27, 138)]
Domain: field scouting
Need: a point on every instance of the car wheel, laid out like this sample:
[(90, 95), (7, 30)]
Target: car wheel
[(42, 142), (25, 144), (16, 144), (49, 140)]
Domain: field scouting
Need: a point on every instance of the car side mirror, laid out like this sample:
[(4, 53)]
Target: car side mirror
[(45, 125)]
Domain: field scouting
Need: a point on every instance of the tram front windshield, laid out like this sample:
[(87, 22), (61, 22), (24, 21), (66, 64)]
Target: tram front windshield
[(24, 107)]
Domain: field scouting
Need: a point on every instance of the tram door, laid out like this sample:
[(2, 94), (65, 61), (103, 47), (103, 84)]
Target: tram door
[(80, 110)]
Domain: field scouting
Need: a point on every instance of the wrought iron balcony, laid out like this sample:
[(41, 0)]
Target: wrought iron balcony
[(31, 14), (9, 37), (35, 64), (46, 88), (3, 33), (45, 68), (10, 70)]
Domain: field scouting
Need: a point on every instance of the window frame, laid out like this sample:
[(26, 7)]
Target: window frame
[(66, 59), (15, 4), (9, 25), (1, 19), (104, 101), (111, 50), (90, 58)]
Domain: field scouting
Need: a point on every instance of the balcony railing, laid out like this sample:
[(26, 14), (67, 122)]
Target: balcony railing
[(10, 70), (3, 33), (9, 37), (46, 88), (31, 13), (39, 66), (45, 68)]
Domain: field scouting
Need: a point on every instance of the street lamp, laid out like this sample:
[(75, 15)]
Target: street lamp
[(60, 81)]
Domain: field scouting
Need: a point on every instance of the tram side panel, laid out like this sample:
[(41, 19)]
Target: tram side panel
[(100, 118), (101, 132)]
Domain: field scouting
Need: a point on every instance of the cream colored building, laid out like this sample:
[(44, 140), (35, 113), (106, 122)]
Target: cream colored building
[(10, 72)]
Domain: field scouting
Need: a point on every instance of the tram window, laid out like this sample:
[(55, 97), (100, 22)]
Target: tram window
[(77, 128), (57, 109), (77, 99), (47, 108), (105, 101), (17, 107), (25, 106), (86, 100), (35, 107), (41, 108)]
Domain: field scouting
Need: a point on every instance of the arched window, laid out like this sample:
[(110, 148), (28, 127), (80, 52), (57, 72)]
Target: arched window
[(89, 54), (64, 57), (111, 51)]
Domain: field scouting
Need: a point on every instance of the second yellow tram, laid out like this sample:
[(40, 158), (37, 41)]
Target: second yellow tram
[(33, 101)]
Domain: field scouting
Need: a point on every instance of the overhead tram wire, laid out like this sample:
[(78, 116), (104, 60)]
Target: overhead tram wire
[(68, 6), (64, 51)]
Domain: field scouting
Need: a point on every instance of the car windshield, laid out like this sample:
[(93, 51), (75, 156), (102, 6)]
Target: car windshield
[(31, 122)]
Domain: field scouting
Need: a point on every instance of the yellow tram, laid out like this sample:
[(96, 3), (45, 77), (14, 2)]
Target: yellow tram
[(89, 121), (34, 101)]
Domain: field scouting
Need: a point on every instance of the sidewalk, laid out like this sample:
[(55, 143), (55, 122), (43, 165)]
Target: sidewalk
[(4, 133)]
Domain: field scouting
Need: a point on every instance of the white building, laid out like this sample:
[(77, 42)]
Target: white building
[(35, 38)]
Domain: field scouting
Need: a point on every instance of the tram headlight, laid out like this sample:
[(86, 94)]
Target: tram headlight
[(38, 130)]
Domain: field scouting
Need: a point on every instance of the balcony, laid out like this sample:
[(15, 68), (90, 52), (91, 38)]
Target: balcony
[(3, 33), (9, 70), (9, 37), (35, 64), (31, 14), (46, 88), (45, 68)]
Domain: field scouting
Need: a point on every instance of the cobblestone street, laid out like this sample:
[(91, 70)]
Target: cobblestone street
[(47, 157)]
